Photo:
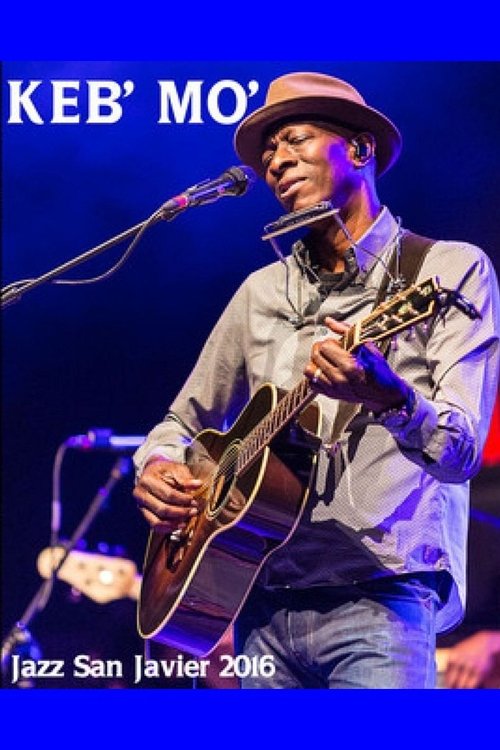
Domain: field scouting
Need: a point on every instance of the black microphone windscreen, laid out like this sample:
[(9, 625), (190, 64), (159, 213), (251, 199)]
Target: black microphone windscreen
[(244, 178)]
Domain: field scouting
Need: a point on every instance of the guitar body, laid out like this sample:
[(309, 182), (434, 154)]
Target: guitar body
[(195, 583), (255, 482)]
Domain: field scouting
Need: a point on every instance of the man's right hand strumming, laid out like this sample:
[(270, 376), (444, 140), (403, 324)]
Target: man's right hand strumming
[(164, 494)]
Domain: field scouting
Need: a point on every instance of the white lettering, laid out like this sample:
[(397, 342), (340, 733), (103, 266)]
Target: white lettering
[(103, 103), (191, 99), (226, 101), (61, 103), (27, 668), (98, 101), (241, 100), (178, 667), (84, 666), (21, 101)]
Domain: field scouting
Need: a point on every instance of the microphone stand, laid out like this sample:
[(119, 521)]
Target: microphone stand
[(234, 181), (19, 634), (14, 291)]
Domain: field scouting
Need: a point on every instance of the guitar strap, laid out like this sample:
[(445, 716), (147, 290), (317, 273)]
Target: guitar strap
[(414, 248)]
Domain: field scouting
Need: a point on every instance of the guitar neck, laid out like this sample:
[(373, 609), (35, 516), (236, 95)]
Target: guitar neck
[(292, 403), (288, 407)]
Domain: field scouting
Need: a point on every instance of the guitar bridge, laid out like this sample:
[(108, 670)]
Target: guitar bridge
[(177, 544)]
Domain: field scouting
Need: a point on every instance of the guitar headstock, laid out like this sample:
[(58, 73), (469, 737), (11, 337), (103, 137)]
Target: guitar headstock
[(404, 310), (100, 577)]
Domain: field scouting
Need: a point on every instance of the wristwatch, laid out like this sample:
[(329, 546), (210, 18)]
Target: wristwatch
[(398, 416)]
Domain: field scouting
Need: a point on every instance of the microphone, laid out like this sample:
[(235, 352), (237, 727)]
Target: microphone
[(234, 181), (104, 440)]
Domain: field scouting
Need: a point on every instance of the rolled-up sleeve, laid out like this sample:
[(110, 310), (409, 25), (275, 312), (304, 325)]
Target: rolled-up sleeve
[(447, 432)]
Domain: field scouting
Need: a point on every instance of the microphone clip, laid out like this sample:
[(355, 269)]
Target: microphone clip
[(234, 181)]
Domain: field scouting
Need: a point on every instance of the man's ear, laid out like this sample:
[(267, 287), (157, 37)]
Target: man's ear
[(363, 148)]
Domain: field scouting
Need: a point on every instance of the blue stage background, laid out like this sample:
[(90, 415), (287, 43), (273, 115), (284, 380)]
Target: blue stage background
[(115, 353)]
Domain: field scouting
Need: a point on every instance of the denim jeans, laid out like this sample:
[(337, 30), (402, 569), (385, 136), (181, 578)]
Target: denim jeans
[(375, 635)]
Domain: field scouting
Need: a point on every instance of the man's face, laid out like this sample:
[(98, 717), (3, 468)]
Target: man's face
[(306, 164)]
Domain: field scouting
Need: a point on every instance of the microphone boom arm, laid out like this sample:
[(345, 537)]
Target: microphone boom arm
[(234, 181), (13, 292)]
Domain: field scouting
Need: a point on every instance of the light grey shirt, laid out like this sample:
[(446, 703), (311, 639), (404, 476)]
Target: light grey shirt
[(386, 502)]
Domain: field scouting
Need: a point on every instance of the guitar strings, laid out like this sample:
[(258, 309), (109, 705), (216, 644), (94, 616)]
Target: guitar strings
[(264, 431)]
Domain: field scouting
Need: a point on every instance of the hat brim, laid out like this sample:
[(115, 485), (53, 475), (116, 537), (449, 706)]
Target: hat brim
[(249, 136)]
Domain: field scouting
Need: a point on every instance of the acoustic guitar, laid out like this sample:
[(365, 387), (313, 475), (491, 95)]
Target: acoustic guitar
[(255, 483)]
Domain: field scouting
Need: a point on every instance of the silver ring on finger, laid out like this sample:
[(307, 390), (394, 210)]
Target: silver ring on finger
[(318, 372)]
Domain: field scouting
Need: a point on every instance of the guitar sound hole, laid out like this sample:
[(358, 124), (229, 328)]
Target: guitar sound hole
[(223, 480), (219, 493)]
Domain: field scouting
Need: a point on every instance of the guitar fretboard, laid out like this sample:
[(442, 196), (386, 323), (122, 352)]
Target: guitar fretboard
[(292, 403)]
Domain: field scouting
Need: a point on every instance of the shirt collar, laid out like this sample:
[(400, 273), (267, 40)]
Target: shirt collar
[(376, 243)]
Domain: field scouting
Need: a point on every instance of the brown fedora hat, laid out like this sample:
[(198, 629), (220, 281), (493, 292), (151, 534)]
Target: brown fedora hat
[(316, 96)]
